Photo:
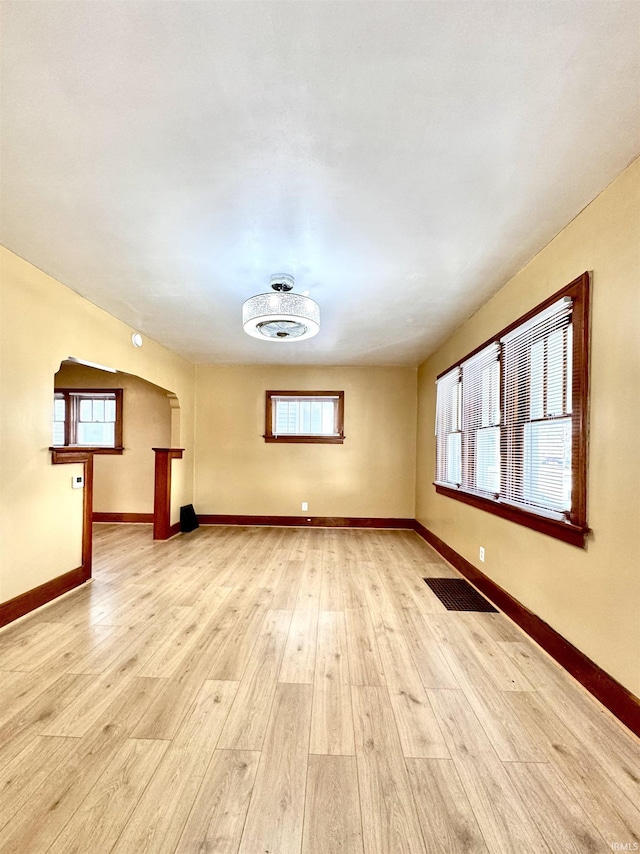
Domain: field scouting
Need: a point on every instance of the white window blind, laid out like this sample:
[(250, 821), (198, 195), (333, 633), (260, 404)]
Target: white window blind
[(481, 421), (448, 428), (537, 411), (59, 415), (309, 416)]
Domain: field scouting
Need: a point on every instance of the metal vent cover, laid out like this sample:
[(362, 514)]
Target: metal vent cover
[(456, 594)]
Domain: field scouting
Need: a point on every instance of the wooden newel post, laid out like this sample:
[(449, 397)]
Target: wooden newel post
[(162, 492)]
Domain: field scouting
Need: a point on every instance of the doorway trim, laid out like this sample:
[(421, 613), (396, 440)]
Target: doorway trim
[(44, 593)]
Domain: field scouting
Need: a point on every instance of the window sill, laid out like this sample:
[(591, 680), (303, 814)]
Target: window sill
[(315, 440), (61, 450), (575, 535)]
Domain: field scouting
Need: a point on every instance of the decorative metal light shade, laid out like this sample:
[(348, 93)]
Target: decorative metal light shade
[(280, 315)]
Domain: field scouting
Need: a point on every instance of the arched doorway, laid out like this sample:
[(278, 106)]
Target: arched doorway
[(110, 421)]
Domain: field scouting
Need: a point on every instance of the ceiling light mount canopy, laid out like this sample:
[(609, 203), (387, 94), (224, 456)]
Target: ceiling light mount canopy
[(281, 283), (281, 315)]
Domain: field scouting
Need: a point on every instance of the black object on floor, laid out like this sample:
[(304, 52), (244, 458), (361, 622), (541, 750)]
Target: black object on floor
[(456, 594), (188, 519)]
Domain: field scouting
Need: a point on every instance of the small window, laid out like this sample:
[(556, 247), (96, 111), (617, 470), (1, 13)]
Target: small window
[(305, 416), (88, 418), (511, 419)]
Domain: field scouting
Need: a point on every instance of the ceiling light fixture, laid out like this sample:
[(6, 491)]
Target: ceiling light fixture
[(281, 315)]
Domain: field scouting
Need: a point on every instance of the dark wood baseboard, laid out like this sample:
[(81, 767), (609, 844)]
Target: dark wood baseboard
[(21, 605), (123, 517), (618, 699), (174, 529), (308, 521)]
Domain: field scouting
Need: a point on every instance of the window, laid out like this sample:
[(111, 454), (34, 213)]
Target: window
[(305, 416), (511, 419), (88, 418)]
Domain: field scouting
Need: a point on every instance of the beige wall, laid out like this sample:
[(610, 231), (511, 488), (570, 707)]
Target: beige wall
[(591, 596), (124, 484), (42, 324), (371, 474)]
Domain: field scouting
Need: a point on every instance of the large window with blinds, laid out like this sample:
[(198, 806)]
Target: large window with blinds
[(511, 419), (305, 416)]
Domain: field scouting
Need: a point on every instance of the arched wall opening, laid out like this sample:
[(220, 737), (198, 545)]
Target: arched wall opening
[(123, 485), (43, 322)]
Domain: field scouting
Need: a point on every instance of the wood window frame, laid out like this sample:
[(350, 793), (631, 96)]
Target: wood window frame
[(575, 528), (69, 425), (305, 438)]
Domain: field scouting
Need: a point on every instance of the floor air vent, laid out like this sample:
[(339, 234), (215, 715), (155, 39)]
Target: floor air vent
[(456, 594)]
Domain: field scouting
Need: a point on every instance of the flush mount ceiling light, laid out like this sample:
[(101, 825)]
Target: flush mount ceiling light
[(281, 315)]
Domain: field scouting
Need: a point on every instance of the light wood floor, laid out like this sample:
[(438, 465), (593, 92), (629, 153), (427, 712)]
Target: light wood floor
[(289, 691)]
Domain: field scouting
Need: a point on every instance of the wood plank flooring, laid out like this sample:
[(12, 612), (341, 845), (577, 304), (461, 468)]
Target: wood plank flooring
[(295, 691)]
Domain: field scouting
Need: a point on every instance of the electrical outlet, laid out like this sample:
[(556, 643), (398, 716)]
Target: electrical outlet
[(482, 553), (305, 506)]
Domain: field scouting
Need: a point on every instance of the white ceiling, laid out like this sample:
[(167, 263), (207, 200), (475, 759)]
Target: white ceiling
[(403, 160)]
